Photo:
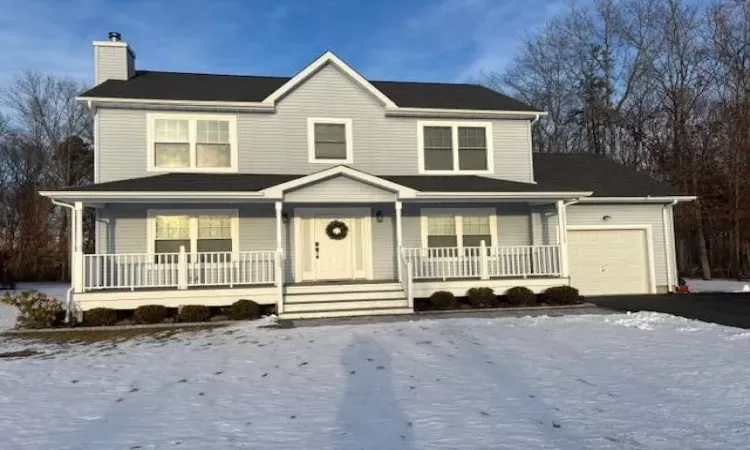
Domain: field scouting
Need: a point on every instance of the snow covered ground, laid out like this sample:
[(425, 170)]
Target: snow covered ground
[(8, 313), (697, 285), (636, 381)]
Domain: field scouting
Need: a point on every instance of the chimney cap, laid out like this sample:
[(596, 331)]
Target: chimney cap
[(114, 36)]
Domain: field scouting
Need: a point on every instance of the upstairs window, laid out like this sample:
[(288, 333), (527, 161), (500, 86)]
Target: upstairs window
[(455, 147), (329, 141), (184, 143)]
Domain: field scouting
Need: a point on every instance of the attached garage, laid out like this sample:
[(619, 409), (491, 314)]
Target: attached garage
[(611, 260)]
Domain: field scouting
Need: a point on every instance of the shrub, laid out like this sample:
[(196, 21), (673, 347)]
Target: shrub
[(99, 317), (520, 295), (194, 313), (562, 295), (244, 310), (482, 297), (35, 309), (443, 300), (148, 314)]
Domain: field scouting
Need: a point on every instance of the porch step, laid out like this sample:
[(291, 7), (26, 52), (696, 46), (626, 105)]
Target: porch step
[(347, 313), (333, 296), (329, 288), (398, 302)]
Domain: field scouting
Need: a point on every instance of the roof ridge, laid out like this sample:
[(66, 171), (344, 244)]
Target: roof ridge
[(169, 72)]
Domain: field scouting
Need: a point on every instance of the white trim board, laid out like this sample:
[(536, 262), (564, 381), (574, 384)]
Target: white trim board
[(649, 244)]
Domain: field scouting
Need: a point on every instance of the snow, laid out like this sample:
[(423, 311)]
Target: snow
[(626, 381), (8, 313), (697, 285)]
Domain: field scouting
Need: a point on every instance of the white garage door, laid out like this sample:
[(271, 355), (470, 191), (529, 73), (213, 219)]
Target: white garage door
[(607, 262)]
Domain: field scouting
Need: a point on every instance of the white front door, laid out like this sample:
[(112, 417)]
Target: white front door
[(334, 243)]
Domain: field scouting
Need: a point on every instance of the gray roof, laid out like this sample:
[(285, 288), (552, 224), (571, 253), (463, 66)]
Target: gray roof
[(553, 173), (148, 84)]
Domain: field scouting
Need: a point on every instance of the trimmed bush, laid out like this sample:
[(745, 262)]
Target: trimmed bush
[(520, 296), (194, 313), (244, 310), (149, 314), (482, 297), (443, 300), (562, 295), (100, 317), (35, 309)]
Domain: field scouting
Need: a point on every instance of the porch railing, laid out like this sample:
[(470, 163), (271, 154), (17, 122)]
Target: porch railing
[(178, 270), (484, 262)]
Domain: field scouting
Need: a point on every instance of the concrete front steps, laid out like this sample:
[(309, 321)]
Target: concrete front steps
[(313, 302)]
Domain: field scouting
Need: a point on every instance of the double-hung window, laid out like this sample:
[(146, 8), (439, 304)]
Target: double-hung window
[(329, 141), (455, 147), (458, 228), (197, 231), (201, 143)]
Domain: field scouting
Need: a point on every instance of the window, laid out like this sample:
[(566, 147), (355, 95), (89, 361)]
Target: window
[(197, 231), (455, 147), (183, 143), (458, 227), (329, 140)]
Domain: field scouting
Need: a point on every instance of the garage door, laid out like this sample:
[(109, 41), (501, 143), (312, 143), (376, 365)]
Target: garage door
[(605, 262)]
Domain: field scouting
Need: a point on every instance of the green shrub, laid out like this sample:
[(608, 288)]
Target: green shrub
[(100, 317), (482, 297), (194, 313), (35, 309), (520, 296), (148, 314), (562, 295), (443, 300), (244, 310)]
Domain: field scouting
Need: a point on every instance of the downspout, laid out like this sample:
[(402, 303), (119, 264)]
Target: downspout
[(536, 119), (69, 292), (668, 240)]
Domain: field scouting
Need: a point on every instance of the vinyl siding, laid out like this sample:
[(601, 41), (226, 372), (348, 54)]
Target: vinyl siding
[(545, 226), (340, 189), (112, 63), (277, 142)]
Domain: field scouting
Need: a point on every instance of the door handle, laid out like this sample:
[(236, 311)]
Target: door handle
[(317, 250)]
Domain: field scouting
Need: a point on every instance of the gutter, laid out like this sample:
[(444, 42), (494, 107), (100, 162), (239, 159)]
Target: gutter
[(69, 292)]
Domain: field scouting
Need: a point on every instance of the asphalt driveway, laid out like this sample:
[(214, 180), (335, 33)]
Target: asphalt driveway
[(732, 309)]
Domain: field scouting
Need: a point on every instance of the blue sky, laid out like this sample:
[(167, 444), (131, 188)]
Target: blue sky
[(438, 40)]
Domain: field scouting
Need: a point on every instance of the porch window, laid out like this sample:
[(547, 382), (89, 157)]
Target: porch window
[(183, 143), (458, 227), (455, 147), (197, 231), (329, 140)]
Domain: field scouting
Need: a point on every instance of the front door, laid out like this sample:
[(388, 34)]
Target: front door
[(334, 243)]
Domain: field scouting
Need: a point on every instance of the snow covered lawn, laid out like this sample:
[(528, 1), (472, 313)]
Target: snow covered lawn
[(697, 285), (640, 381)]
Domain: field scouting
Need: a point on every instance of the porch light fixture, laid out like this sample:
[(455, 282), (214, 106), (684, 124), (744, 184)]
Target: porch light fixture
[(285, 217), (379, 216), (607, 218)]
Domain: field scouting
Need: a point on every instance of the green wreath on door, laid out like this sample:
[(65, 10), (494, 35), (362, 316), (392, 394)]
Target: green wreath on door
[(337, 230)]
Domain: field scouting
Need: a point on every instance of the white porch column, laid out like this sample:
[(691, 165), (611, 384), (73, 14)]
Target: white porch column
[(78, 265), (399, 238), (279, 227), (562, 237)]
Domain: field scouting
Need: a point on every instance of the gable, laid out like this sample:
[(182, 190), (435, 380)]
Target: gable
[(339, 189)]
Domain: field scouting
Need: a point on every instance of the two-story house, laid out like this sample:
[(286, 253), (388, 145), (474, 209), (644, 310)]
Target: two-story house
[(330, 194)]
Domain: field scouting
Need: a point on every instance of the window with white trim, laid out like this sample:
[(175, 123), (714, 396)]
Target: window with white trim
[(458, 228), (204, 231), (455, 147), (329, 140), (204, 143)]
